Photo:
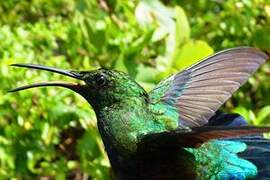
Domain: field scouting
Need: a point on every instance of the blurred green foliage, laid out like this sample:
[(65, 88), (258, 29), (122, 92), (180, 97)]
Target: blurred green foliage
[(52, 132)]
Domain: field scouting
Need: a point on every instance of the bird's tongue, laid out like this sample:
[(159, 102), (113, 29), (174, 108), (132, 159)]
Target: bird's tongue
[(72, 86)]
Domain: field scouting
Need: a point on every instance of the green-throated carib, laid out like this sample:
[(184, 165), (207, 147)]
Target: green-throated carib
[(175, 131)]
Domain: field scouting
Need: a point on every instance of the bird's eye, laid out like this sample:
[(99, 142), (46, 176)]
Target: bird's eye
[(100, 80)]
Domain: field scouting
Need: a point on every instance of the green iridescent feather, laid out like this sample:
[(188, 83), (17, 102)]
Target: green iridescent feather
[(218, 160)]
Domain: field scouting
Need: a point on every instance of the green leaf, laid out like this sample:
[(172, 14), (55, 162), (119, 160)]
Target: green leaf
[(242, 111), (146, 74), (182, 33), (262, 115), (261, 37), (190, 53)]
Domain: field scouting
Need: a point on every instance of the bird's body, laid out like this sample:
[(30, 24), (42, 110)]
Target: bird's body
[(216, 159), (168, 133)]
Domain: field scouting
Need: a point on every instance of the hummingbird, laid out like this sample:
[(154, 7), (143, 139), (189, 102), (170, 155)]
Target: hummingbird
[(176, 130)]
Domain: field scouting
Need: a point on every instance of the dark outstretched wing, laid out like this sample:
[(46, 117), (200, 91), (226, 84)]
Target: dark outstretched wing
[(198, 135), (197, 92)]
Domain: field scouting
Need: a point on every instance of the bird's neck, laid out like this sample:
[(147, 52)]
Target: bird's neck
[(124, 122), (119, 137), (120, 126), (121, 122)]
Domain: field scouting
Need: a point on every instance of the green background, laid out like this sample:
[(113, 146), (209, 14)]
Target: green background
[(51, 132)]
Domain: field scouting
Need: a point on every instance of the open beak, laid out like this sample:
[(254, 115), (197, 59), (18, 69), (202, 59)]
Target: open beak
[(75, 87)]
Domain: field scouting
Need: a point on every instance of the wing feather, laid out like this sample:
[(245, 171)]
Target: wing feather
[(199, 91), (199, 135)]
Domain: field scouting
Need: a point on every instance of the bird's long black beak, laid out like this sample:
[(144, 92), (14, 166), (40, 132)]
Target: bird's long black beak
[(73, 74)]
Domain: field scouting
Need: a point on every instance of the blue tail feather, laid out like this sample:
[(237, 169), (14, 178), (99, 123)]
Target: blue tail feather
[(257, 152), (258, 147)]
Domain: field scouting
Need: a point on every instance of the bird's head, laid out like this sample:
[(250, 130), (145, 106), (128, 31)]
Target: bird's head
[(100, 87)]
